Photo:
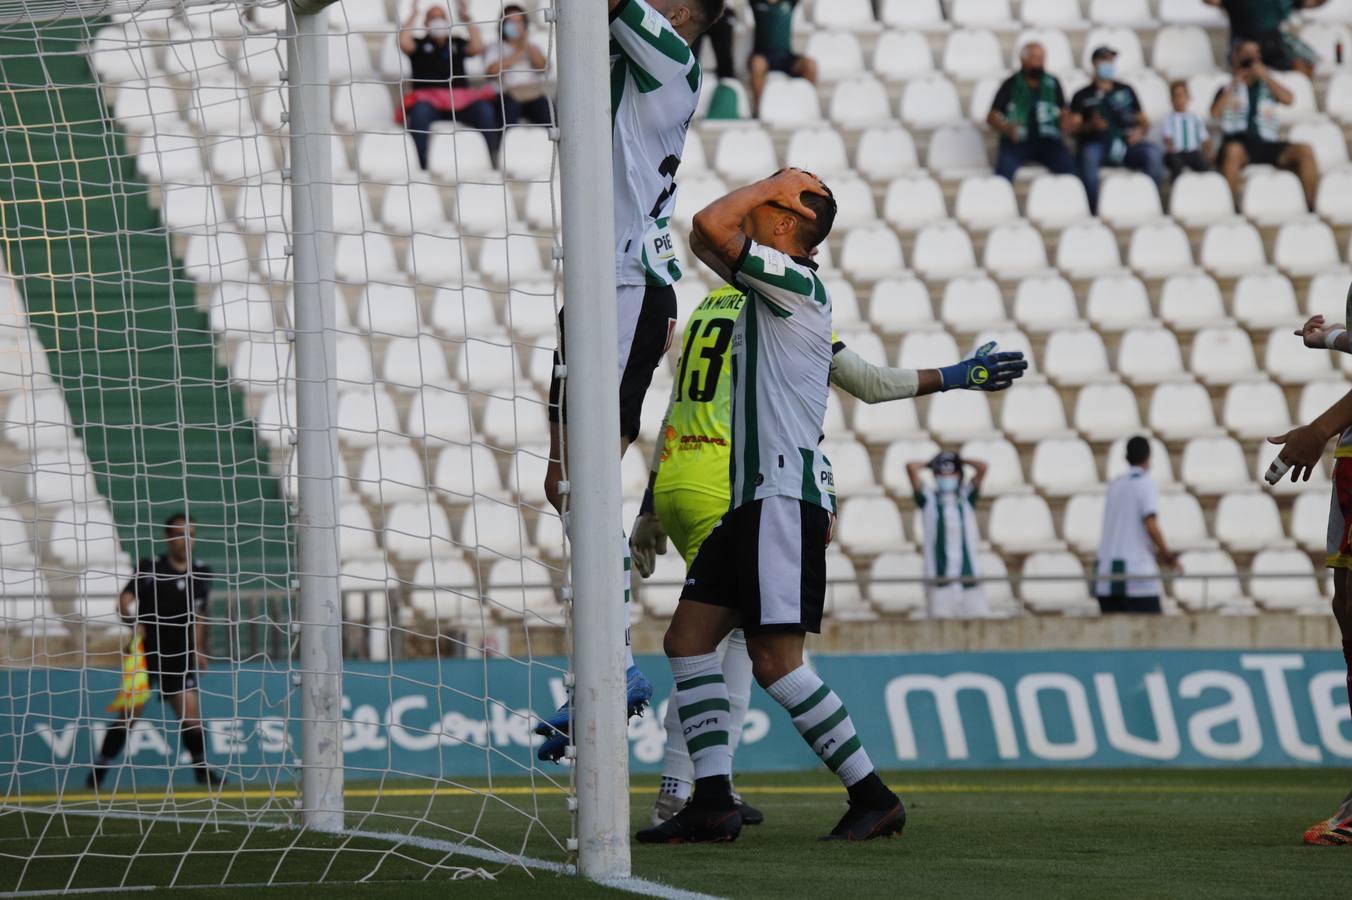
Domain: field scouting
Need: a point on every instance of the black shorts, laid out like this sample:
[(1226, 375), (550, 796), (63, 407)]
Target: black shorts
[(1261, 153), (779, 60), (767, 560), (1148, 605), (647, 323), (171, 674)]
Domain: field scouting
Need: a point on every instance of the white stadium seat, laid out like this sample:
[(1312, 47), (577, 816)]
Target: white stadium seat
[(1303, 105), (1015, 250), (1272, 197), (1191, 300), (871, 252), (1255, 409), (1181, 410), (1149, 356), (1062, 14), (971, 54), (869, 525), (1283, 579), (1055, 582), (1232, 248), (851, 466), (882, 153), (1200, 198), (1060, 58), (1326, 138), (1033, 412), (1222, 354), (1305, 247), (1105, 412), (1199, 593), (1265, 300), (1182, 51), (925, 15), (1064, 466), (1124, 40), (914, 201), (1309, 521), (957, 150), (896, 582), (1214, 465), (930, 101), (902, 55), (1075, 356), (849, 15), (1045, 302), (1055, 201), (1128, 199), (860, 101), (789, 103), (900, 304), (1159, 249), (1004, 474), (1117, 302), (1082, 521), (943, 250), (837, 53), (981, 13), (927, 350), (984, 201), (1022, 523), (1248, 521), (1087, 249), (1333, 201), (970, 302), (962, 415), (1180, 516), (1191, 12), (818, 149), (1289, 361)]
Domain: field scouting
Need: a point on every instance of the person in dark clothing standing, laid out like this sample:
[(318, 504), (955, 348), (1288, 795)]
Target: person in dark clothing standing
[(166, 602), (1261, 21), (440, 90), (1029, 113), (773, 47), (1112, 127), (720, 36)]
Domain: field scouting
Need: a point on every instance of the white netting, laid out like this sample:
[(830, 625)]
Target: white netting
[(148, 368)]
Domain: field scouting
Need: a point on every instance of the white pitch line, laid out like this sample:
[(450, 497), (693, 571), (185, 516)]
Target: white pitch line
[(642, 886)]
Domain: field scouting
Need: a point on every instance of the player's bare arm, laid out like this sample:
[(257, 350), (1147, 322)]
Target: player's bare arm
[(719, 234), (1165, 556)]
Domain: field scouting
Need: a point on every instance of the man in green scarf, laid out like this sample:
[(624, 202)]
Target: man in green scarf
[(1029, 115)]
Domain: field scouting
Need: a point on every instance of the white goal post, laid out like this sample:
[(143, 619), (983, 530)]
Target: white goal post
[(264, 221)]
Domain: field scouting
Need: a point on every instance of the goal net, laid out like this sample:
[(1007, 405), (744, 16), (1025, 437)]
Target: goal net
[(149, 368)]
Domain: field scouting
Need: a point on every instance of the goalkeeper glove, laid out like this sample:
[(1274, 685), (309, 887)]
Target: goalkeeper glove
[(989, 369), (647, 538)]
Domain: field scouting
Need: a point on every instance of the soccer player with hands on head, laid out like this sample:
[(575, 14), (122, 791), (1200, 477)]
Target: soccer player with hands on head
[(763, 567), (1301, 451)]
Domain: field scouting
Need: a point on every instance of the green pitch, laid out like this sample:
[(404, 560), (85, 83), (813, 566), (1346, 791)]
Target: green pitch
[(1017, 834)]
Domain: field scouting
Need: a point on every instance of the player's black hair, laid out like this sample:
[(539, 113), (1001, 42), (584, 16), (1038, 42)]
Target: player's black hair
[(176, 520), (1138, 450), (814, 231)]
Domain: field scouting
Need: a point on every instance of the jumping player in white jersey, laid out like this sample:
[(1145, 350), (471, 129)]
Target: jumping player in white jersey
[(654, 87), (763, 567)]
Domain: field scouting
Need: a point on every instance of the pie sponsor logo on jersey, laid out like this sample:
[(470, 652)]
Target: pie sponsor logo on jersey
[(774, 264)]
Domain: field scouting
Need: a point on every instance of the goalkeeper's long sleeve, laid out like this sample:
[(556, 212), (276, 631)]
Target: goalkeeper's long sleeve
[(860, 378)]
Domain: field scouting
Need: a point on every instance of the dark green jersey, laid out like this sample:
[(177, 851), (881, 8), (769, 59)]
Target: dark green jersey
[(774, 25)]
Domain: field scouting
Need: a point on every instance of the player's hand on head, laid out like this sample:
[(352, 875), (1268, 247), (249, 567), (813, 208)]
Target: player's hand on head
[(789, 186), (647, 539)]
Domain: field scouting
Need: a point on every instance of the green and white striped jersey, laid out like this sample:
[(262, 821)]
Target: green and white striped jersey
[(781, 366), (1186, 131), (654, 86)]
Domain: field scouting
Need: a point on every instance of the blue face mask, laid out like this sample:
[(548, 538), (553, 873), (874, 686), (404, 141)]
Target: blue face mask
[(1106, 70), (948, 483), (511, 31)]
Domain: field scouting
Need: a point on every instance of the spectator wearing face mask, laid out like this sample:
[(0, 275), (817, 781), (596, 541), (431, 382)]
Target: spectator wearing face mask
[(439, 90), (1246, 108), (1029, 115), (1112, 127), (951, 540), (522, 68)]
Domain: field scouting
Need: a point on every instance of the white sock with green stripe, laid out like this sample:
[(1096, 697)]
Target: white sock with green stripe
[(824, 723), (702, 705)]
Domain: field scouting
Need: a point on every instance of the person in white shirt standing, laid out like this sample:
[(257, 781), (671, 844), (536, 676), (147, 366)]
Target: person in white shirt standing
[(951, 541), (1132, 547)]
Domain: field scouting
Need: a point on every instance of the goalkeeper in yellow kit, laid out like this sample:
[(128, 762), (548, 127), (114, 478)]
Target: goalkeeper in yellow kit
[(689, 490)]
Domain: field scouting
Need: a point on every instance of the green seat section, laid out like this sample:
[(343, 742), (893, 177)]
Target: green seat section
[(125, 341)]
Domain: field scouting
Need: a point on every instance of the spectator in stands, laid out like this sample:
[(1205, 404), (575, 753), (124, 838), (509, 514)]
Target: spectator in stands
[(1029, 113), (1246, 109), (772, 50), (439, 89), (522, 69), (951, 540), (1132, 547), (1261, 21), (1112, 127), (1187, 143), (720, 35)]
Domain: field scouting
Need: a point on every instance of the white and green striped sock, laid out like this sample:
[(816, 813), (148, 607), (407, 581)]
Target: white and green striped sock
[(824, 723), (702, 704)]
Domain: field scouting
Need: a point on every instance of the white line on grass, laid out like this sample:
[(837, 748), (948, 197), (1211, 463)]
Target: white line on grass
[(633, 885)]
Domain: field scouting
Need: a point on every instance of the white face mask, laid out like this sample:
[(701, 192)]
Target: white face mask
[(948, 483), (439, 30)]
